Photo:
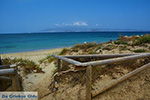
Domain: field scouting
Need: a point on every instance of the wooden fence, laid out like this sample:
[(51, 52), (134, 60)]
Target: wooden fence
[(9, 73), (106, 59)]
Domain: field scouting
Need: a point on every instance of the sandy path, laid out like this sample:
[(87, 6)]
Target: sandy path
[(39, 81)]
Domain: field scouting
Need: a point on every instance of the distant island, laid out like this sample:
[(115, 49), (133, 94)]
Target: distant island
[(89, 29)]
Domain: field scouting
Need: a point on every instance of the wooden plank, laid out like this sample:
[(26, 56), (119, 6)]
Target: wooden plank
[(115, 60), (102, 62), (4, 78), (68, 60), (4, 66), (7, 71), (7, 66), (88, 82), (123, 78), (16, 83), (100, 55)]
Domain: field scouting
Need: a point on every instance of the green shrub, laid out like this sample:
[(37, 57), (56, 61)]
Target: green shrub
[(29, 66), (120, 42), (108, 47), (98, 47), (142, 40), (139, 50), (48, 59), (91, 52), (124, 47), (84, 46), (64, 51)]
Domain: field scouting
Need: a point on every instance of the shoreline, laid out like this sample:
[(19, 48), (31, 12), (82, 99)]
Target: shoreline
[(34, 51), (33, 55), (28, 51)]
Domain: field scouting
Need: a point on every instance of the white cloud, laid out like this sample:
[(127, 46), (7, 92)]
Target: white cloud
[(78, 23)]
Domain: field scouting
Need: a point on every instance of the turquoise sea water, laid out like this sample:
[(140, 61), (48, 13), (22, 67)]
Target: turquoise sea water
[(10, 43)]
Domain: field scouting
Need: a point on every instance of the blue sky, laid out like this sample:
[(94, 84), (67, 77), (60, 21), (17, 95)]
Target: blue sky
[(37, 15)]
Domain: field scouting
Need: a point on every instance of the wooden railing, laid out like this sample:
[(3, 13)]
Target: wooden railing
[(9, 73), (106, 59)]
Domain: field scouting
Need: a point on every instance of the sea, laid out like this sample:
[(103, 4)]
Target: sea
[(12, 43)]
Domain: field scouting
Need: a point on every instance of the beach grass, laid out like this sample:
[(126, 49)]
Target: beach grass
[(142, 40), (28, 65)]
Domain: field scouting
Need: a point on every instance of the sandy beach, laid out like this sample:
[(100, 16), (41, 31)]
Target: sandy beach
[(33, 55)]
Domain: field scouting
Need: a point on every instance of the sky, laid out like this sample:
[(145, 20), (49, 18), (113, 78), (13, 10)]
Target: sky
[(36, 15)]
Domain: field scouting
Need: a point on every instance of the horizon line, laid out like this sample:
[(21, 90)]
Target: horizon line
[(74, 31)]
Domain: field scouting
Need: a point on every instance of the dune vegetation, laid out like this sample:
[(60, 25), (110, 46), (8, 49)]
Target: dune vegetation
[(131, 44), (28, 65)]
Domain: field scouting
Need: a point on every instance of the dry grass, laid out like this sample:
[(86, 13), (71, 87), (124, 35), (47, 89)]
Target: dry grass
[(28, 65)]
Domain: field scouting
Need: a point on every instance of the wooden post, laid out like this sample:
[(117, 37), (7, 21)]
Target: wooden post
[(58, 64), (88, 82), (16, 83)]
